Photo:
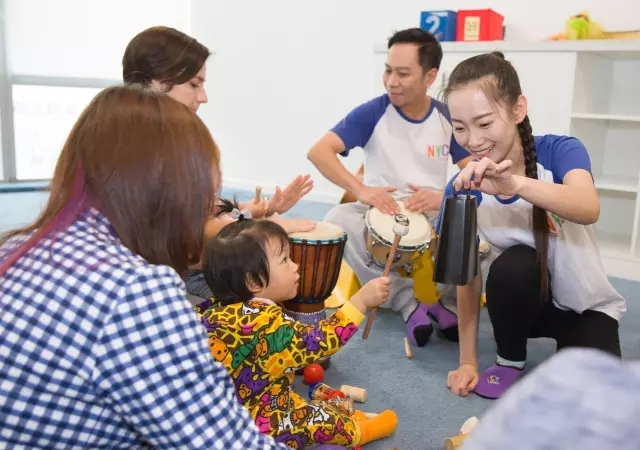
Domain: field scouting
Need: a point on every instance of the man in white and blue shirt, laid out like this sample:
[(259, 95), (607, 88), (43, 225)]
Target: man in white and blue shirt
[(408, 145)]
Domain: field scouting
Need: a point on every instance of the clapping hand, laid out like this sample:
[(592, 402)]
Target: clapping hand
[(284, 199)]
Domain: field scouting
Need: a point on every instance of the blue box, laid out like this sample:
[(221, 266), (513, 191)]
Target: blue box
[(441, 23)]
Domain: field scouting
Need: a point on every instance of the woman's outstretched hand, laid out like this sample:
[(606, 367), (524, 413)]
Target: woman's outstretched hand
[(291, 225)]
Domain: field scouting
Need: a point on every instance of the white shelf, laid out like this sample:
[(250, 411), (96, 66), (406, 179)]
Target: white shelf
[(614, 49), (611, 117), (616, 184), (613, 245)]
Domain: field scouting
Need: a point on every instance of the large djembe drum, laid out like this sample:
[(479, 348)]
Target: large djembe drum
[(318, 254)]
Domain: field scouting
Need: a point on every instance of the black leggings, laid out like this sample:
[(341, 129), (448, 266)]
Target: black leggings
[(517, 312)]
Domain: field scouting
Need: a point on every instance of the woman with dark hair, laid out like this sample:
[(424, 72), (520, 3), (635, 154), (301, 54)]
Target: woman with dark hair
[(173, 62), (170, 61), (536, 204), (100, 347)]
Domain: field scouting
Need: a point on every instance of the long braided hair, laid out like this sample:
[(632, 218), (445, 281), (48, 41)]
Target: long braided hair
[(500, 81)]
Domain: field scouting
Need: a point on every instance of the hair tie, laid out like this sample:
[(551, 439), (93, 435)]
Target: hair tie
[(240, 215), (235, 213)]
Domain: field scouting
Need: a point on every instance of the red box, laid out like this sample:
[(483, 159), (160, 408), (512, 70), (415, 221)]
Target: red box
[(479, 25)]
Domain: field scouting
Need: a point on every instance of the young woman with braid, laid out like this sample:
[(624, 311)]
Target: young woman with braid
[(536, 204)]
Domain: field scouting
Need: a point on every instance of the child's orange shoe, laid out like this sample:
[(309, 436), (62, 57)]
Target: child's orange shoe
[(373, 428), (359, 416)]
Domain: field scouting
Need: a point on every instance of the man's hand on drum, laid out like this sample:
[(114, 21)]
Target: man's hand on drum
[(284, 199), (291, 225), (379, 197), (423, 200), (463, 380), (372, 294)]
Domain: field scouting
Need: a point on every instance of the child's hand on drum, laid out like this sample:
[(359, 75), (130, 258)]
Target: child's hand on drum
[(379, 197), (293, 225), (372, 294)]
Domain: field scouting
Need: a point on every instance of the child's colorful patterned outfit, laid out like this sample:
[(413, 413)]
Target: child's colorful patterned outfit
[(262, 347)]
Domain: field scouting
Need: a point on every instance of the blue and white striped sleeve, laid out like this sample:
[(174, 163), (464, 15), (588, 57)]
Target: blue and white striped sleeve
[(580, 398), (154, 367)]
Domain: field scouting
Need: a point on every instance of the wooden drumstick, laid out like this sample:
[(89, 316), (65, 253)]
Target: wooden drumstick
[(455, 442), (399, 231), (407, 348), (258, 194), (356, 393)]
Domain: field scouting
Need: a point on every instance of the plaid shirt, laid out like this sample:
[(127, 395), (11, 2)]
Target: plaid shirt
[(579, 399), (100, 349)]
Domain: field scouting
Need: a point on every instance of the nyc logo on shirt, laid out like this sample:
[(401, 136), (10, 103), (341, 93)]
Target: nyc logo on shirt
[(555, 223), (436, 151)]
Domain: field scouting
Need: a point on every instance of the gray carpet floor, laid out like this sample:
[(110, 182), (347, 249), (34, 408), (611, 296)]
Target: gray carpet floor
[(415, 389)]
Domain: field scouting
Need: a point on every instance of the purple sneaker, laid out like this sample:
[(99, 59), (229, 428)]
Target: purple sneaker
[(445, 320), (419, 326), (496, 380)]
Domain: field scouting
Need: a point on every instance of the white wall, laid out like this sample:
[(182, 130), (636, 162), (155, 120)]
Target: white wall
[(285, 71), (82, 38), (50, 41)]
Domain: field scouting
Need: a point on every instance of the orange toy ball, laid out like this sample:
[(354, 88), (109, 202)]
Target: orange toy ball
[(313, 373)]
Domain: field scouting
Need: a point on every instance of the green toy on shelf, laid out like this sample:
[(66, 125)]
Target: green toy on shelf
[(580, 26)]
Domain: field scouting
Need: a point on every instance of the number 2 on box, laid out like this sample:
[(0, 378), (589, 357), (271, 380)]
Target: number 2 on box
[(434, 21)]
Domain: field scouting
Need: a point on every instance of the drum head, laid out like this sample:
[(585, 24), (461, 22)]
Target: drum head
[(381, 225), (323, 231)]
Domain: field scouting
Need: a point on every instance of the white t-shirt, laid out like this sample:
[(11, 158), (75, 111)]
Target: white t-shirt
[(578, 279), (399, 151)]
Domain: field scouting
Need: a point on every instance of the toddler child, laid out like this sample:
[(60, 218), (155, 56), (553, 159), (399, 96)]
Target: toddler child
[(249, 272)]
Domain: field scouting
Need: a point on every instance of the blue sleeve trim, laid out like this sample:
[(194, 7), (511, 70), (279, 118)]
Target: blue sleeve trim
[(561, 154), (357, 127)]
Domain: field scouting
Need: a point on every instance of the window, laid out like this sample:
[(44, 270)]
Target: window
[(54, 58), (43, 118), (1, 152), (5, 107)]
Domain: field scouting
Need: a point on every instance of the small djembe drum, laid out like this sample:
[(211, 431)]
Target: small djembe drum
[(380, 236), (318, 254)]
